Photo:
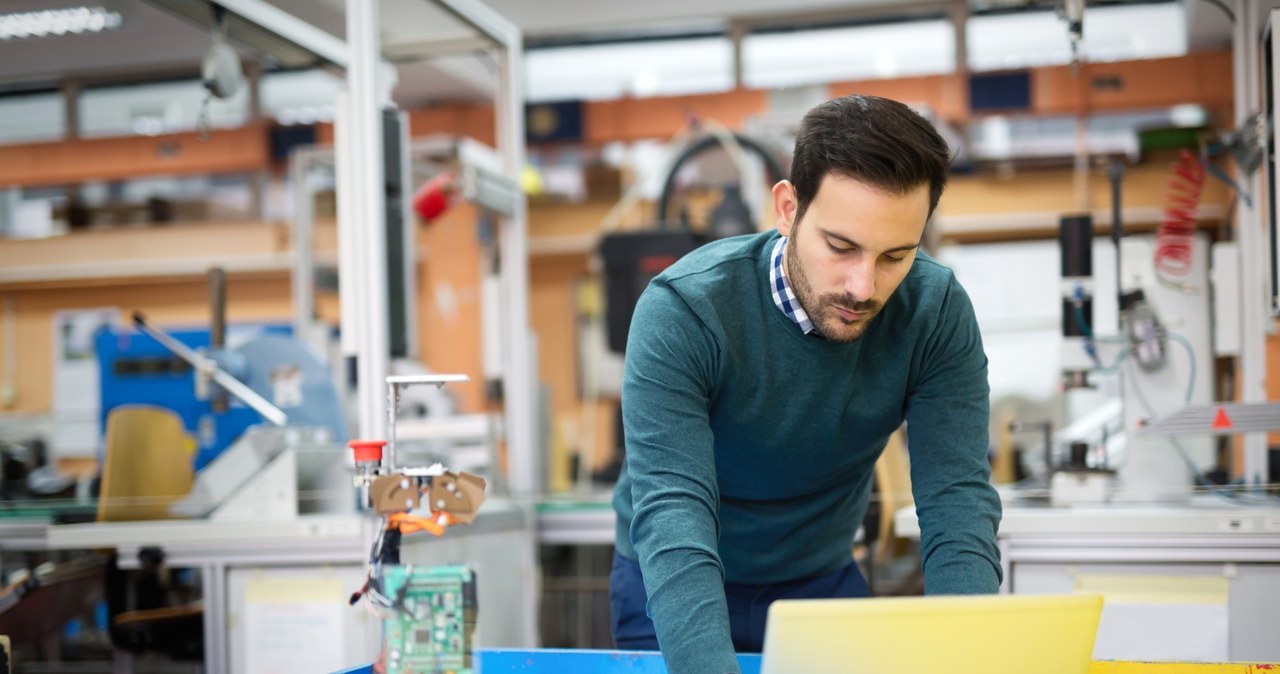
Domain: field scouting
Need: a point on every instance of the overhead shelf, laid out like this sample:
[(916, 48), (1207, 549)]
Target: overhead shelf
[(148, 253), (71, 161), (1039, 224)]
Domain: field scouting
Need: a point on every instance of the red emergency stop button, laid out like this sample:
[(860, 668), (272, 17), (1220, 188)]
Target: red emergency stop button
[(367, 450)]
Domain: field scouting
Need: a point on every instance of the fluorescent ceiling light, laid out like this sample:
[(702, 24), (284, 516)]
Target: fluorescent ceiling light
[(1116, 33), (58, 22), (789, 59), (649, 68)]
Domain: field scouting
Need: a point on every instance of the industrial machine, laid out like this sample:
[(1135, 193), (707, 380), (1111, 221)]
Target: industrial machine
[(633, 258), (1154, 360), (137, 369), (428, 614), (1181, 304), (286, 418), (220, 382)]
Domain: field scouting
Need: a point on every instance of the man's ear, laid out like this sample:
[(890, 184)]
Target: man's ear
[(784, 207)]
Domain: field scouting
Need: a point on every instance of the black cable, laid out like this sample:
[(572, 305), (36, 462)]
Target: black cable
[(771, 164), (1225, 10)]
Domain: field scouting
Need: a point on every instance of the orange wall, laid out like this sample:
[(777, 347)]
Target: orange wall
[(470, 120), (170, 303), (448, 253), (449, 329), (663, 116)]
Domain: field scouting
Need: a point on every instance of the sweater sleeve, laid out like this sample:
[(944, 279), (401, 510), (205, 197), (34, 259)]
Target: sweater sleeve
[(947, 413), (668, 381)]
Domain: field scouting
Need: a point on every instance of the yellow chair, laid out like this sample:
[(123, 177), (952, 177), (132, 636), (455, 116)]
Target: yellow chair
[(893, 475), (147, 465)]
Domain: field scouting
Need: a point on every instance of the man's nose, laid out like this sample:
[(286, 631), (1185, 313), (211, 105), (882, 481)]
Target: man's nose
[(860, 281)]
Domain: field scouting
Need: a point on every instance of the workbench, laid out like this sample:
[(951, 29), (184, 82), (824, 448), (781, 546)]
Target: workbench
[(24, 524), (623, 662), (318, 559), (1195, 582), (576, 521)]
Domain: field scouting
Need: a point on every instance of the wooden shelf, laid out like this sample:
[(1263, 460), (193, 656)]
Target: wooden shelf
[(66, 162), (1044, 224), (125, 255)]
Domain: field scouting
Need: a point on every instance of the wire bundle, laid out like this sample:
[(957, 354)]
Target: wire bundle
[(1175, 238)]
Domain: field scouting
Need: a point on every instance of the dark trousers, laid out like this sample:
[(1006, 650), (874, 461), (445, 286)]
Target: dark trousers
[(748, 604)]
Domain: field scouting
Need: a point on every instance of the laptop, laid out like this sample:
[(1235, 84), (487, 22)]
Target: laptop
[(986, 634)]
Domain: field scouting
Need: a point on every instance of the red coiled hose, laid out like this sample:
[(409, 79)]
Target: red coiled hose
[(1175, 239)]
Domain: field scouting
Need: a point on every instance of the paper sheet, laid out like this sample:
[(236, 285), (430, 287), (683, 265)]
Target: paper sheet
[(1172, 618), (294, 625)]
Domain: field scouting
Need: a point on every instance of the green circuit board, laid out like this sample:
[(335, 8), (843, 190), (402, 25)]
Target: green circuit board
[(429, 631)]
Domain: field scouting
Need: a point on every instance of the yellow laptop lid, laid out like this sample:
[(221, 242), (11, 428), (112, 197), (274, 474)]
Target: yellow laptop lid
[(987, 634)]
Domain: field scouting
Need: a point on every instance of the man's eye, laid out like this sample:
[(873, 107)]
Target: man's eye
[(893, 260), (840, 248)]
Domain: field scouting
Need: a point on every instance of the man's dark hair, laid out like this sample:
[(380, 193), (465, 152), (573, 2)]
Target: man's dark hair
[(873, 140)]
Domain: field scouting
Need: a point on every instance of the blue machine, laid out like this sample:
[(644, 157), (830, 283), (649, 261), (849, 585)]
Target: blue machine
[(136, 369)]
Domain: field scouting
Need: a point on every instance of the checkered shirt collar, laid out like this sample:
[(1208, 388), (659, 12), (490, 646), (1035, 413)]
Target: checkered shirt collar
[(782, 294)]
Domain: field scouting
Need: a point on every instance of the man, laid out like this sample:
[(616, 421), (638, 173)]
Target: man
[(765, 373)]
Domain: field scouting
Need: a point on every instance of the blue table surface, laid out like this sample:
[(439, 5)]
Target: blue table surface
[(549, 661)]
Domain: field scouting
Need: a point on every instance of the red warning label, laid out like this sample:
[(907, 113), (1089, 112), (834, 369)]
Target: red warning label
[(1222, 422)]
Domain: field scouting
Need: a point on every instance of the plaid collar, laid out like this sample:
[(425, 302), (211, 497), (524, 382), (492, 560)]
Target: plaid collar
[(782, 295)]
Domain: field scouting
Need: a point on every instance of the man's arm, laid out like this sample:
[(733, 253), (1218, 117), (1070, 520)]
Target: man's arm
[(947, 413), (666, 389)]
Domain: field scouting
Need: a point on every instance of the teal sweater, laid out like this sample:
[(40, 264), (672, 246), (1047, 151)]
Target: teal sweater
[(751, 446)]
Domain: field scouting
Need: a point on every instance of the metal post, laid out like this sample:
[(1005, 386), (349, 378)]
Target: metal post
[(214, 577), (1254, 310), (409, 223), (364, 284), (71, 89), (303, 247), (218, 325), (262, 179), (393, 401), (367, 183), (737, 33), (525, 466), (958, 13), (253, 77), (349, 240)]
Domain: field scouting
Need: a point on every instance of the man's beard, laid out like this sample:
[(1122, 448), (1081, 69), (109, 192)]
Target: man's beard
[(826, 322)]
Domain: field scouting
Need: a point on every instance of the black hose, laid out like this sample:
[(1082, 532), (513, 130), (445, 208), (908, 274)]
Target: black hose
[(771, 164)]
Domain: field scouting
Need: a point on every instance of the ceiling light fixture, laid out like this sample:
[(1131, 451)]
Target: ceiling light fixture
[(57, 22)]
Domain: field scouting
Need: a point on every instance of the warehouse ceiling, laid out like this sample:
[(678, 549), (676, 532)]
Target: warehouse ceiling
[(153, 43)]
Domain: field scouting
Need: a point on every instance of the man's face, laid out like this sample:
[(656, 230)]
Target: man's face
[(856, 244)]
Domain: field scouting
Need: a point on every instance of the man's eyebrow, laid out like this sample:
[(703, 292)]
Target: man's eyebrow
[(897, 249)]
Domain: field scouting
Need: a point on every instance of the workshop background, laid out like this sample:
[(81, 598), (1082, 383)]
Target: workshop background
[(224, 224)]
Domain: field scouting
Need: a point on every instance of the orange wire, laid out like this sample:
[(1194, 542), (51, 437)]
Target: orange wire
[(408, 524)]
